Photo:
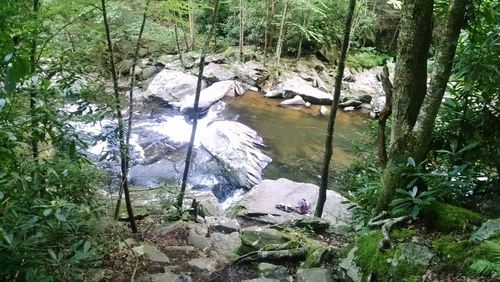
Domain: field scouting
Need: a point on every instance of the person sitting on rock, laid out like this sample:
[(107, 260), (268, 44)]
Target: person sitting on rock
[(302, 207)]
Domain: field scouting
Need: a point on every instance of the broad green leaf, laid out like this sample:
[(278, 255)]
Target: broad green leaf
[(1, 195), (415, 211), (47, 212), (86, 247), (411, 162), (52, 254), (60, 216), (9, 238), (414, 191)]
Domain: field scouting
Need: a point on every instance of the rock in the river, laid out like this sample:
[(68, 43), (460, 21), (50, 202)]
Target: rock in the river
[(298, 86), (148, 72), (215, 72), (252, 73), (349, 109), (295, 101), (378, 104), (263, 198), (320, 84), (236, 146), (324, 111), (210, 95), (171, 85), (350, 103), (314, 275), (274, 94)]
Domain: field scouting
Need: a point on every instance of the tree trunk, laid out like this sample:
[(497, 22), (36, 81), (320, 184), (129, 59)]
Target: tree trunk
[(304, 23), (266, 33), (242, 35), (410, 85), (335, 103), (441, 73), (384, 115), (192, 24), (179, 51), (33, 63), (118, 112), (185, 174), (130, 110), (279, 44)]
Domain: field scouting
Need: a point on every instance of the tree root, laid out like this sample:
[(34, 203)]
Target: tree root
[(386, 224), (298, 253)]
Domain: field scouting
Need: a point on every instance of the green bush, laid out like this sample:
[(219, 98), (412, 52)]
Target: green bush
[(366, 58), (447, 218)]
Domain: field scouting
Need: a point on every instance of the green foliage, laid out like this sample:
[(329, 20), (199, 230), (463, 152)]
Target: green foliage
[(447, 218), (404, 234), (408, 202), (487, 263), (366, 58)]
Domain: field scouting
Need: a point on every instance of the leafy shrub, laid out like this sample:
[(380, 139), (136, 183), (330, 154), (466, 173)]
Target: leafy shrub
[(366, 58)]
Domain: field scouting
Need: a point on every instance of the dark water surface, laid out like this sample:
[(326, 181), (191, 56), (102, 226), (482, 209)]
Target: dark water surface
[(296, 137)]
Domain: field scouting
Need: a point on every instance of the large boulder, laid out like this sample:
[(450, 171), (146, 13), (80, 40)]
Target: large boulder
[(257, 237), (298, 86), (215, 72), (236, 147), (314, 275), (262, 199), (211, 95), (172, 85)]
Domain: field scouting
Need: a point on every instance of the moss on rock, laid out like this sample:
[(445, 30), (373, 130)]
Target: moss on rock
[(447, 218)]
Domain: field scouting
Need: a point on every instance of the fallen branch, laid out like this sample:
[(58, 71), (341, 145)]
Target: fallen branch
[(290, 254), (386, 224)]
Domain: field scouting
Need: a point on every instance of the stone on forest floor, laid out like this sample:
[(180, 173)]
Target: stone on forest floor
[(259, 237), (161, 277), (268, 270), (261, 279), (418, 256), (203, 264), (349, 269), (313, 275), (151, 252), (225, 246), (222, 224), (487, 230), (197, 236)]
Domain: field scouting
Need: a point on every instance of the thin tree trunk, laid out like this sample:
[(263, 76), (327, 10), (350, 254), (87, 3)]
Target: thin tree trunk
[(335, 103), (185, 174), (441, 73), (266, 33), (192, 24), (33, 63), (130, 112), (184, 34), (242, 35), (304, 23), (177, 44), (121, 133), (384, 115), (280, 36), (410, 85)]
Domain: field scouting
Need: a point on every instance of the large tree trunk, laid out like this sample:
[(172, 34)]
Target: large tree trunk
[(119, 117), (242, 35), (441, 73), (130, 111), (279, 44), (335, 103), (410, 85)]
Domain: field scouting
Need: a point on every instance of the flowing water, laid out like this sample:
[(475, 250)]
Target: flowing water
[(295, 137)]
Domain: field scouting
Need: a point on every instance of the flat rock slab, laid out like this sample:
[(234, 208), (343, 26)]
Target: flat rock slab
[(314, 275), (203, 264), (262, 199), (151, 252)]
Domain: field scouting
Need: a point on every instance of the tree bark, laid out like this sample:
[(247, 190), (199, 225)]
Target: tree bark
[(33, 92), (279, 44), (441, 73), (266, 32), (410, 85), (304, 23), (242, 36), (384, 115), (179, 51), (118, 112), (335, 103), (192, 24), (130, 111)]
